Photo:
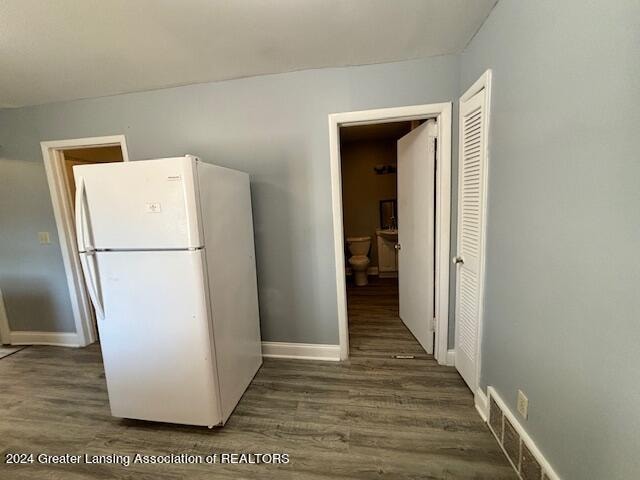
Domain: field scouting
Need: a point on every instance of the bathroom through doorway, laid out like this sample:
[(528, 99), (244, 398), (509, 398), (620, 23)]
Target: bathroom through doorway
[(391, 209)]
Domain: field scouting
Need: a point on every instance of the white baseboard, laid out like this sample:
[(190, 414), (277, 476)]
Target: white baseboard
[(59, 339), (524, 436), (482, 404), (451, 358), (301, 351)]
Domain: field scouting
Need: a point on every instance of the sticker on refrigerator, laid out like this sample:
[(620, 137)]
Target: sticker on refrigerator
[(153, 207)]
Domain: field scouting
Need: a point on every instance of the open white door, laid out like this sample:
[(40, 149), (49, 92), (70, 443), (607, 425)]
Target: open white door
[(416, 225), (471, 218)]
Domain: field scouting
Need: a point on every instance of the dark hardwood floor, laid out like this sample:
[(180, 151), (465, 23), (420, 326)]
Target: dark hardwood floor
[(372, 417)]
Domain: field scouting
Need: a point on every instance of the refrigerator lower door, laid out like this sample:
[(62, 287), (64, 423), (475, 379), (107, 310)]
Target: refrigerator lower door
[(156, 337)]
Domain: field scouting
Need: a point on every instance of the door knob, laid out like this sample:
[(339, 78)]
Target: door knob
[(457, 260), (397, 246)]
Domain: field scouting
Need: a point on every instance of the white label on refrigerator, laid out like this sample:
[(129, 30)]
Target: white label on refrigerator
[(153, 207)]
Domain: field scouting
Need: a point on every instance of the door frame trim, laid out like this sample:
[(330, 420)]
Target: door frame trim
[(65, 223), (442, 113), (5, 330)]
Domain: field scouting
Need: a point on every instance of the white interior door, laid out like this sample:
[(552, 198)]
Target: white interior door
[(469, 261), (416, 225)]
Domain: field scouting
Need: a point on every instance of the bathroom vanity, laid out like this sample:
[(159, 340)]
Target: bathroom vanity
[(387, 253)]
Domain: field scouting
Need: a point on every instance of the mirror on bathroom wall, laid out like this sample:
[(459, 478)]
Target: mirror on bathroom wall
[(388, 214)]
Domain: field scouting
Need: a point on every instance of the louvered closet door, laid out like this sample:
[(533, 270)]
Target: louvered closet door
[(471, 199)]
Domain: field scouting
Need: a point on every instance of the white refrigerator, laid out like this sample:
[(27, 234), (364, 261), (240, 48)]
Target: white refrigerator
[(167, 252)]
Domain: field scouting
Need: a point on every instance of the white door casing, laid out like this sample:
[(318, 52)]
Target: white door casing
[(442, 113), (53, 157), (472, 195), (416, 222), (5, 331)]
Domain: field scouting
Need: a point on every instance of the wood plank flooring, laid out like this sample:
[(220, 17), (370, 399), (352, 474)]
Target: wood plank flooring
[(6, 350), (372, 417)]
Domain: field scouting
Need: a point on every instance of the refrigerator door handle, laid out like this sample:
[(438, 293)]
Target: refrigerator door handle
[(91, 285), (79, 215), (85, 250)]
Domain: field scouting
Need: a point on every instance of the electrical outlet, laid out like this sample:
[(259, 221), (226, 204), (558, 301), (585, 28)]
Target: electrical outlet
[(43, 238), (523, 404)]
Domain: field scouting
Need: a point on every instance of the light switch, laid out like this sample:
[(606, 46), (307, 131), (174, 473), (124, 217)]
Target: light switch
[(43, 238)]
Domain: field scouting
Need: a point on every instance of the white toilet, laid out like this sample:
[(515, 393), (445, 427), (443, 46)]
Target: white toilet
[(359, 262)]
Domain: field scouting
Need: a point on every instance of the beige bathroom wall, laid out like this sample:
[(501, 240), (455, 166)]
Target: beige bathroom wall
[(362, 189)]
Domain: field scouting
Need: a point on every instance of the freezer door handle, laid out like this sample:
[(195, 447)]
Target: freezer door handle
[(81, 220), (79, 215), (86, 251)]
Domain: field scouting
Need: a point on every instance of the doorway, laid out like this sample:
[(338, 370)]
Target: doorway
[(86, 156), (59, 159), (374, 159), (405, 120)]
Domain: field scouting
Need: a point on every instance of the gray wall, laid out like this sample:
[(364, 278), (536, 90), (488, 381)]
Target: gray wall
[(274, 127), (562, 306), (31, 276), (562, 317)]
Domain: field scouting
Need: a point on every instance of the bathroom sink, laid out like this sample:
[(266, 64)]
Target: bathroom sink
[(390, 234)]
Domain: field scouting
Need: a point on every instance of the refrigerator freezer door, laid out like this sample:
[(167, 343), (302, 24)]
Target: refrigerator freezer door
[(150, 204), (156, 337)]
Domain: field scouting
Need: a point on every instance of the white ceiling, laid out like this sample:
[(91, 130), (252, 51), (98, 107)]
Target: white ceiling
[(67, 49)]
